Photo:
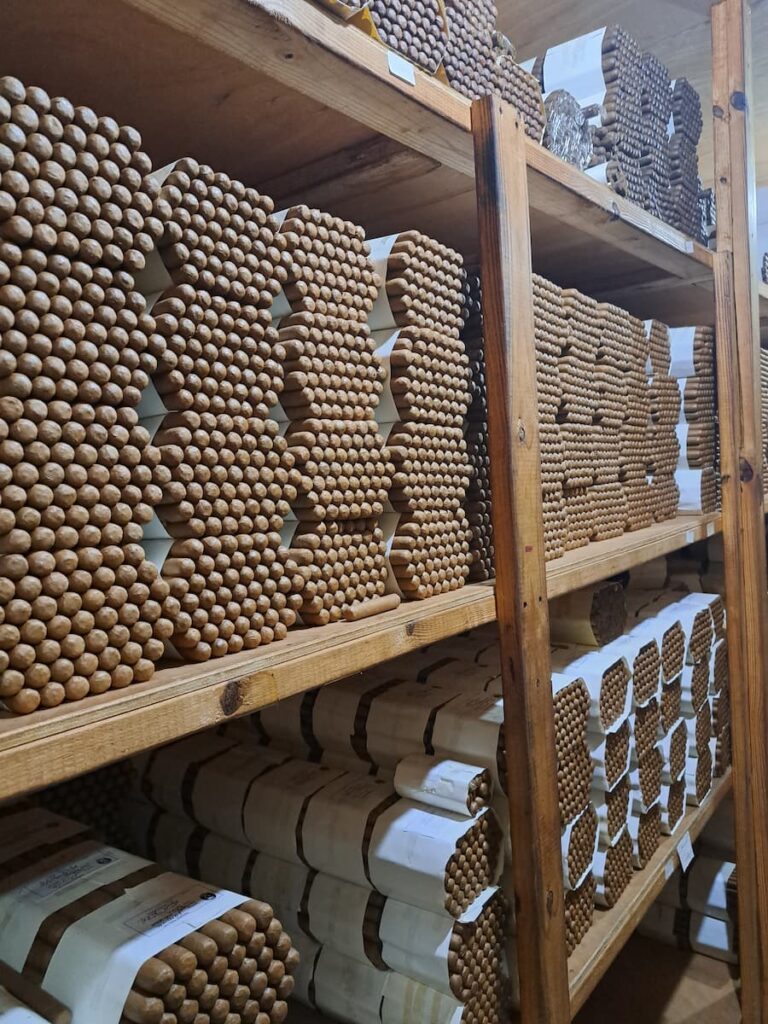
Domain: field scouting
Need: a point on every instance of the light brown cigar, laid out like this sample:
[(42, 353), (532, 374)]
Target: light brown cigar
[(224, 935), (143, 1009), (364, 609), (203, 948)]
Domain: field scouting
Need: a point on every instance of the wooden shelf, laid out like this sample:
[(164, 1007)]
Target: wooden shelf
[(612, 928), (305, 107), (50, 746)]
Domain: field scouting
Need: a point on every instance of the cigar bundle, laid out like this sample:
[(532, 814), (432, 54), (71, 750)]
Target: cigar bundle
[(123, 940), (656, 101), (417, 31), (568, 133), (579, 912), (612, 870), (83, 608), (685, 127), (593, 616), (469, 53), (645, 830), (345, 824), (229, 477), (518, 87)]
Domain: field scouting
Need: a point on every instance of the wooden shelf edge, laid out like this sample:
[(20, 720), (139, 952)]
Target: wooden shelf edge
[(612, 928), (51, 746)]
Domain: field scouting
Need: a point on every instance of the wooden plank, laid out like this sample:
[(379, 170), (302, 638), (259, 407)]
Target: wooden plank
[(603, 942), (54, 745), (743, 513), (521, 587)]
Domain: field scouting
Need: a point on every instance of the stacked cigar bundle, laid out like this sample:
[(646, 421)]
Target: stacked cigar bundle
[(338, 861), (603, 71), (229, 478), (664, 447), (333, 384), (83, 609), (693, 368), (205, 954), (469, 54), (616, 436), (691, 633), (656, 99), (607, 676), (637, 436), (424, 283), (517, 87), (417, 31), (685, 129)]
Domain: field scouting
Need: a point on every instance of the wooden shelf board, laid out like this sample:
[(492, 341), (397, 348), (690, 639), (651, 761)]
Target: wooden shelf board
[(50, 746), (305, 107), (612, 928)]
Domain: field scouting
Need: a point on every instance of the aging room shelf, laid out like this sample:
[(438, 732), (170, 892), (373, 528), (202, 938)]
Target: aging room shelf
[(54, 745), (306, 108), (612, 928)]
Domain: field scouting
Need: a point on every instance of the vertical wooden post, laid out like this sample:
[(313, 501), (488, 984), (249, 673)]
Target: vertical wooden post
[(738, 359), (521, 586)]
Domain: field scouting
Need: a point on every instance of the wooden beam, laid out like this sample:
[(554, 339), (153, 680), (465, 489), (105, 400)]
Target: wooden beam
[(738, 368), (521, 585)]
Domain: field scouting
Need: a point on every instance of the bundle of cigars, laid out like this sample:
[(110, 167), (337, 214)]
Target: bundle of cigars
[(116, 938)]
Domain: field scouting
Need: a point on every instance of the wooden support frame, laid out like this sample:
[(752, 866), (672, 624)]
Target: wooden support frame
[(738, 358), (521, 584)]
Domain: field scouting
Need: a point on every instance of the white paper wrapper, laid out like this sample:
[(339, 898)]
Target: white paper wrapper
[(591, 665), (599, 803), (706, 935), (309, 951), (461, 675), (681, 341), (339, 711), (407, 1001), (165, 776), (691, 766), (435, 781), (334, 826), (346, 989), (273, 809), (337, 915), (381, 318), (665, 746), (689, 483), (599, 864), (407, 836), (14, 1012), (668, 826), (399, 718), (415, 942), (577, 67), (469, 729), (282, 723)]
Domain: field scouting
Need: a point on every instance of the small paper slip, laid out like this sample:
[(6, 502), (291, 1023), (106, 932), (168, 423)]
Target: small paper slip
[(685, 851), (401, 68)]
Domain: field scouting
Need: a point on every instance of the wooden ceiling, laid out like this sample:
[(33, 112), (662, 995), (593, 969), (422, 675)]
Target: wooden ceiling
[(677, 31)]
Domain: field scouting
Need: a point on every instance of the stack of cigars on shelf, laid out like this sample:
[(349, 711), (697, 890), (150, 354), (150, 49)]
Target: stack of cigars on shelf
[(598, 101), (221, 423), (371, 814), (457, 41)]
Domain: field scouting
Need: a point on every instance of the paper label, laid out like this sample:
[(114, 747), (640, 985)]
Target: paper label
[(689, 483), (681, 430), (401, 68), (436, 781), (685, 851)]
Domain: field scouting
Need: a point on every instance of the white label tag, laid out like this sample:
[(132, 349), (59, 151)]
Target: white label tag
[(669, 868), (401, 68), (685, 851), (710, 529), (689, 537), (69, 874)]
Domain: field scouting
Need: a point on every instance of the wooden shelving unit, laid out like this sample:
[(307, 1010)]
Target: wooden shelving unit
[(305, 107)]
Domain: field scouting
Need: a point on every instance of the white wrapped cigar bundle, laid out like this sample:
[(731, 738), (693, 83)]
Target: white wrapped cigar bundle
[(578, 843), (645, 832), (343, 823), (641, 650), (606, 676), (14, 1012), (699, 774), (114, 936), (612, 870), (707, 889), (612, 810), (671, 806), (694, 687), (654, 613), (694, 932), (674, 749), (610, 755), (448, 785), (593, 616)]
